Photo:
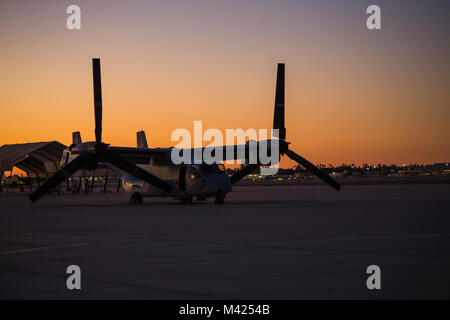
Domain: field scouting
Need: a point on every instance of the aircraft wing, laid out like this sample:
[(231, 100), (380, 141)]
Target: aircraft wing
[(239, 152), (140, 155)]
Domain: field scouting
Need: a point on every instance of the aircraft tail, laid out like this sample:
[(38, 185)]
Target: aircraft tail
[(141, 140), (76, 137), (278, 116)]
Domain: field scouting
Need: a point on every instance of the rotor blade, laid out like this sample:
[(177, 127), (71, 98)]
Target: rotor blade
[(309, 166), (97, 98), (238, 176), (278, 115), (116, 160), (64, 173)]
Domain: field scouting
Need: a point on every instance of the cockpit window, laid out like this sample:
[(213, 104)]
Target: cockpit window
[(207, 169), (194, 173)]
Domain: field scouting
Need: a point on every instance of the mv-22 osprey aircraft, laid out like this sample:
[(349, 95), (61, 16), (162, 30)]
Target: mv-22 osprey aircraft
[(161, 177)]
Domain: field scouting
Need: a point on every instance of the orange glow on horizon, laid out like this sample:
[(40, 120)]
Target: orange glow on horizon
[(351, 96)]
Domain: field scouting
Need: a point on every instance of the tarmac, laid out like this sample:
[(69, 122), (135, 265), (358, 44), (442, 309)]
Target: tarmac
[(274, 242)]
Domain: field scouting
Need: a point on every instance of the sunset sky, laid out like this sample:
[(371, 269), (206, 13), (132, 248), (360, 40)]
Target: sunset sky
[(352, 95)]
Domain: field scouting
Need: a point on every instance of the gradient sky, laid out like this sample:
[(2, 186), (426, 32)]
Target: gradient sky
[(352, 95)]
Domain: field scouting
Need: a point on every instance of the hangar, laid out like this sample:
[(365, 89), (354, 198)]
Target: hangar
[(39, 160)]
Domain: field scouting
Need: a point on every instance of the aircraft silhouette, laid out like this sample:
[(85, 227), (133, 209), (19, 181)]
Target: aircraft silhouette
[(150, 172)]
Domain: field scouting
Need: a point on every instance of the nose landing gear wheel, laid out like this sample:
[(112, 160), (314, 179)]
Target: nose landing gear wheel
[(136, 198), (187, 198)]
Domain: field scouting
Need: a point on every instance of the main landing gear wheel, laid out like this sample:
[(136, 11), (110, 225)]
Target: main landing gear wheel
[(136, 198), (201, 198), (186, 199), (220, 199)]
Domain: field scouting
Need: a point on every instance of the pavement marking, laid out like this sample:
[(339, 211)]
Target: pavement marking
[(73, 245)]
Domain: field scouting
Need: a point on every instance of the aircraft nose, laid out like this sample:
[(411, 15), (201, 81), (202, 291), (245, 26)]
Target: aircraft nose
[(217, 183)]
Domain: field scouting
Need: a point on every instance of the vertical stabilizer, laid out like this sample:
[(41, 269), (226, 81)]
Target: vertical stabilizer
[(141, 140), (76, 137)]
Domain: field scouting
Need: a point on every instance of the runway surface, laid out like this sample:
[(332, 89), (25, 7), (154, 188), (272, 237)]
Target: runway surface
[(264, 243)]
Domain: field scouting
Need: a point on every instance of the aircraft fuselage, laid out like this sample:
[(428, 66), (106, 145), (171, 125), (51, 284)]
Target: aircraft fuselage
[(202, 181)]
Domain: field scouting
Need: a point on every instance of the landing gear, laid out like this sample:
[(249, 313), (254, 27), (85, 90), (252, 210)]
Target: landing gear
[(186, 199), (220, 199), (201, 198), (136, 198)]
